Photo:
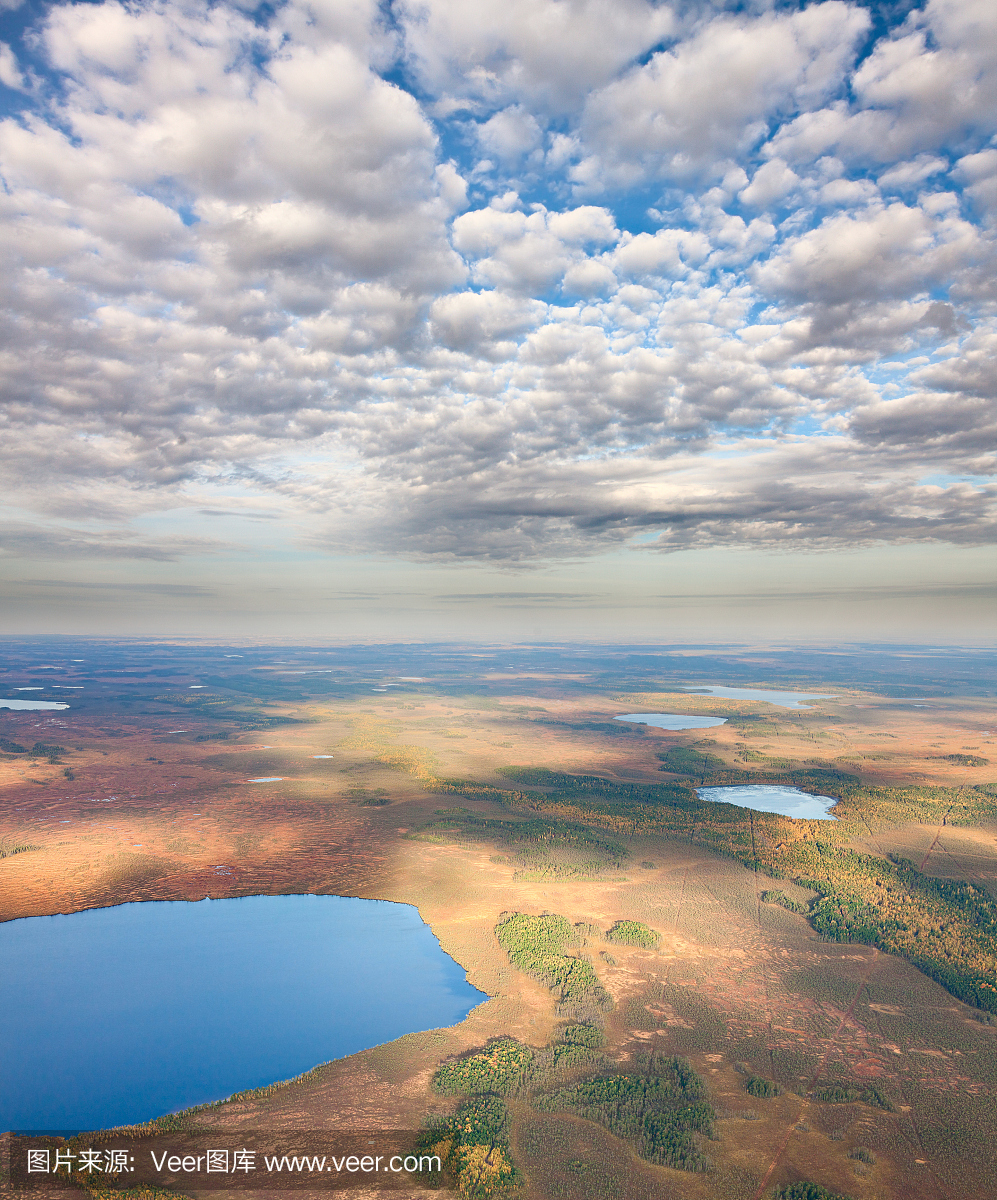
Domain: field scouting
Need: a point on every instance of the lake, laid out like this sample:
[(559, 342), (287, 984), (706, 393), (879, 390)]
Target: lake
[(782, 699), (772, 798), (673, 720), (116, 1015), (27, 704)]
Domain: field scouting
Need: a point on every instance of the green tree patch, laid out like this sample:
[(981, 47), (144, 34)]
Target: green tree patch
[(535, 945), (762, 1089), (658, 1110), (500, 1068), (633, 933)]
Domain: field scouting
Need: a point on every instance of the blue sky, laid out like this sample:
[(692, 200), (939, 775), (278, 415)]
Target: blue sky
[(525, 290)]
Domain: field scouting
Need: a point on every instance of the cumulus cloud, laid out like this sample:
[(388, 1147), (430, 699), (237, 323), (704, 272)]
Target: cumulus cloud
[(510, 134), (904, 175), (931, 82), (711, 97), (532, 251), (10, 72), (484, 322), (885, 251), (547, 54), (508, 280), (772, 181)]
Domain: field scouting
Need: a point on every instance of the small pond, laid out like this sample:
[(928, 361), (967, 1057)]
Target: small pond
[(116, 1015), (772, 798), (673, 720), (28, 704), (782, 699)]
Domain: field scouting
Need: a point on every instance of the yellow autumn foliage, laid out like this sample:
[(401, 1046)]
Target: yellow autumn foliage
[(485, 1171)]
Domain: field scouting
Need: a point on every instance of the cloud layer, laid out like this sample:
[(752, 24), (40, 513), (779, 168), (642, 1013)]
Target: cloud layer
[(508, 281)]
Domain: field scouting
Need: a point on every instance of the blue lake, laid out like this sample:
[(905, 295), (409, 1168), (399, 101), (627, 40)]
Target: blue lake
[(772, 798), (116, 1015), (782, 699), (673, 720)]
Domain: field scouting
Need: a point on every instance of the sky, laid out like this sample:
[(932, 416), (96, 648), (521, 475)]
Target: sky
[(520, 318)]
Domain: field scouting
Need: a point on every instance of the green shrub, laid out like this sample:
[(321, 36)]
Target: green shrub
[(784, 901), (806, 1191), (535, 945), (567, 1056), (763, 1089), (43, 750), (633, 933), (499, 1068), (850, 1094), (583, 1035), (17, 848), (657, 1110), (474, 1146), (684, 760)]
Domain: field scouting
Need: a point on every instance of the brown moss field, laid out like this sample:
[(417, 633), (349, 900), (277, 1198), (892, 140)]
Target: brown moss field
[(158, 815)]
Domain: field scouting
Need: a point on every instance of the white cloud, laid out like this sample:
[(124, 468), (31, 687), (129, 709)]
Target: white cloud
[(547, 53), (234, 251), (589, 278), (888, 251), (530, 251), (10, 72), (453, 187), (933, 81), (910, 174), (772, 181), (979, 173), (711, 96), (484, 322), (510, 134), (668, 252)]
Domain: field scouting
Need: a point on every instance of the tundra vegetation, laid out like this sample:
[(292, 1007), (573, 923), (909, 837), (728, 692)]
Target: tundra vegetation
[(536, 945), (806, 1191), (633, 933), (572, 1110), (657, 1105), (762, 1089), (946, 928), (473, 1145), (848, 1094)]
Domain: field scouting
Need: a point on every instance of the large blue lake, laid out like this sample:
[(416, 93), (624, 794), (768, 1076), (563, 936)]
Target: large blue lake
[(116, 1015)]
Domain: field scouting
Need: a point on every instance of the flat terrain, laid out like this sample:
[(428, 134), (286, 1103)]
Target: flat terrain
[(147, 796)]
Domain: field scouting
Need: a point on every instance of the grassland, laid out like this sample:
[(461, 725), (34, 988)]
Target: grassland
[(842, 964)]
